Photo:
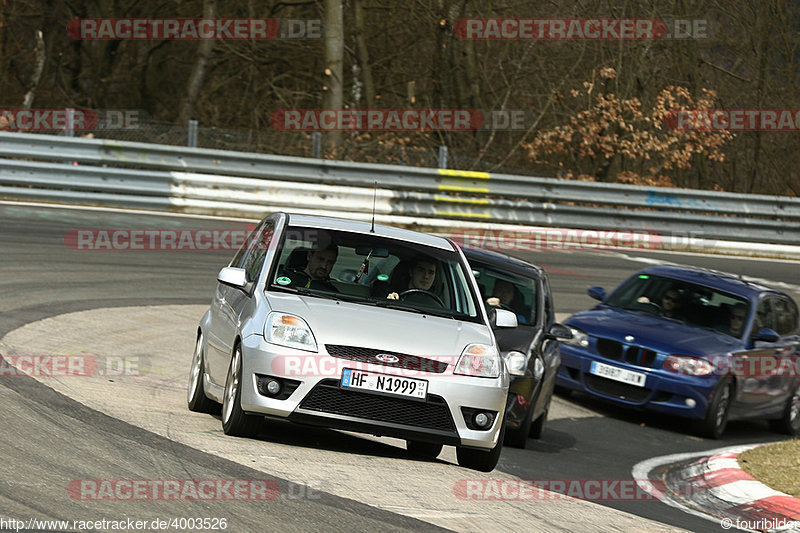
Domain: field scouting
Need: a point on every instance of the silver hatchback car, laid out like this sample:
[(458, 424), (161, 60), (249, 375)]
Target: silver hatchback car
[(354, 326)]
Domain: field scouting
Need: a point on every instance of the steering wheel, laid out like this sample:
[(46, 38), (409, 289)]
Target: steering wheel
[(423, 292), (651, 307)]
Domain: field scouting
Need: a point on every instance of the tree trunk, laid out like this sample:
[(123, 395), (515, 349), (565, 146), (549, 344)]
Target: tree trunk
[(363, 54), (37, 73), (199, 69), (334, 65)]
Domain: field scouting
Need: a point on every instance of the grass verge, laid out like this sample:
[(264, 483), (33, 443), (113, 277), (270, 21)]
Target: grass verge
[(776, 465)]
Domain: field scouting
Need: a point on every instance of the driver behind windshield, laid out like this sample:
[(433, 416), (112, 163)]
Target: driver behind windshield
[(316, 274), (420, 275)]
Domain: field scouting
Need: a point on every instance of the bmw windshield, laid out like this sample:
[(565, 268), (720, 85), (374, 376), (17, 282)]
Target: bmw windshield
[(685, 302)]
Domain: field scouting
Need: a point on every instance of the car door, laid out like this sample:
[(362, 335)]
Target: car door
[(788, 348), (761, 389), (230, 302)]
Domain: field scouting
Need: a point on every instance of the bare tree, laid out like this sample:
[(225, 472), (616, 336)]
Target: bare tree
[(333, 95), (199, 71)]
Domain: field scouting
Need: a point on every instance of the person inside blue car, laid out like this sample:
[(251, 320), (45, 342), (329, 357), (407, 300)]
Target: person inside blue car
[(737, 316)]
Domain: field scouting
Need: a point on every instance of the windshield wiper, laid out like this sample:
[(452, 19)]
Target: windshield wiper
[(303, 291), (405, 307)]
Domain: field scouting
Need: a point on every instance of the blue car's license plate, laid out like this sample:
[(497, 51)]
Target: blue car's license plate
[(618, 374)]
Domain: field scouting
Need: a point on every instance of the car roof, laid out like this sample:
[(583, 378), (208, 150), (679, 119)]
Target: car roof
[(358, 226), (504, 261), (715, 279)]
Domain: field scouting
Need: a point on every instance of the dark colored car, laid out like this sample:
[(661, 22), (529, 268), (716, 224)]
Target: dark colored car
[(529, 350), (690, 342)]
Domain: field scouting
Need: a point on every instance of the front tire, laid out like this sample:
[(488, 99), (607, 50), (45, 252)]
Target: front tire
[(518, 438), (196, 397), (716, 419), (482, 460), (789, 423), (236, 422), (537, 428)]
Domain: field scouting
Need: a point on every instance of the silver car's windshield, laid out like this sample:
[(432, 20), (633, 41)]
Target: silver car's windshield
[(373, 270), (690, 303)]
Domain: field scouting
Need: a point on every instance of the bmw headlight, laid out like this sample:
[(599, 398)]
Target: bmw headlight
[(289, 330), (579, 338), (689, 365), (479, 360), (515, 361)]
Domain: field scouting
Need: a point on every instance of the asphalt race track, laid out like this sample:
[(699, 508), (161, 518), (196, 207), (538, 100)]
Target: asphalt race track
[(56, 433)]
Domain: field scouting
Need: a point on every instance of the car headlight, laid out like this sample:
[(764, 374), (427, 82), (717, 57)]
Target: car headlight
[(515, 362), (289, 330), (479, 360), (688, 365), (579, 338)]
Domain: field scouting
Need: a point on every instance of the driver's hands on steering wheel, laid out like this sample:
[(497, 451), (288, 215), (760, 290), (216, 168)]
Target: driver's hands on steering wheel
[(494, 301), (392, 296)]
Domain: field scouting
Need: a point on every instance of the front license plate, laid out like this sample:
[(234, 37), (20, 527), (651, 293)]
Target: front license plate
[(618, 374), (385, 384)]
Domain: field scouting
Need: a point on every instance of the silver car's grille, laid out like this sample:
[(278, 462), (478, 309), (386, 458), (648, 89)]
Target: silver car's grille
[(326, 397), (405, 361)]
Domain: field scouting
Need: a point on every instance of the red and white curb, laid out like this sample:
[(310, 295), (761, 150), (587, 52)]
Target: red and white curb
[(712, 485)]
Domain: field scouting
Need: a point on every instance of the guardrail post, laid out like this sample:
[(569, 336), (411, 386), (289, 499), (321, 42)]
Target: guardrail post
[(443, 157), (69, 131), (316, 145), (192, 134)]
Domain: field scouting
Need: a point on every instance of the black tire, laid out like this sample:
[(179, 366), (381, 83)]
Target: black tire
[(716, 419), (429, 450), (537, 428), (482, 460), (196, 397), (518, 438), (236, 422), (789, 423)]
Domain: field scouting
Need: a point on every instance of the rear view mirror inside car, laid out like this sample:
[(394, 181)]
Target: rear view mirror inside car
[(373, 252)]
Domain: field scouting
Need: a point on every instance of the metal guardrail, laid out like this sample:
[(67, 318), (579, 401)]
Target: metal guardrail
[(216, 181)]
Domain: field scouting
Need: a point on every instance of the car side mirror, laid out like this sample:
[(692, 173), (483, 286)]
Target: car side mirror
[(559, 332), (234, 277), (766, 335), (502, 318), (598, 293)]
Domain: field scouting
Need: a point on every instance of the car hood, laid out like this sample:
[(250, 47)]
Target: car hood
[(653, 332), (351, 324)]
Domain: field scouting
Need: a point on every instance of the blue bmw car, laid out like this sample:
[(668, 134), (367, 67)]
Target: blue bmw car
[(690, 342)]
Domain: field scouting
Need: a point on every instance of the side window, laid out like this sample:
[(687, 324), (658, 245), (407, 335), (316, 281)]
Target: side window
[(251, 256), (549, 312), (765, 318), (785, 317)]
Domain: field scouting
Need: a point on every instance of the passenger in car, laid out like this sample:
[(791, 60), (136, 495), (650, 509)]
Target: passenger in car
[(736, 319), (316, 274)]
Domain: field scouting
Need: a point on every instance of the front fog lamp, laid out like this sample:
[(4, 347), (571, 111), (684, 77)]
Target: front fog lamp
[(483, 420), (273, 387), (515, 362), (478, 360), (289, 330)]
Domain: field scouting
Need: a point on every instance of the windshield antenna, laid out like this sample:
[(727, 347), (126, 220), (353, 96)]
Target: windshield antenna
[(374, 195)]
